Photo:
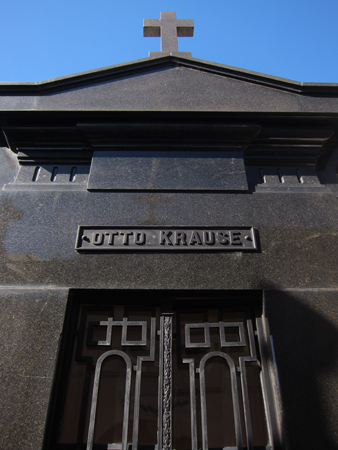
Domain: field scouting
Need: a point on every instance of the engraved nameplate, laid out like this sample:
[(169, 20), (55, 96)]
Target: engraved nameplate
[(104, 239)]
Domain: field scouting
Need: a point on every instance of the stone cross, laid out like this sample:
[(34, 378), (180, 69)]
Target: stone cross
[(168, 28)]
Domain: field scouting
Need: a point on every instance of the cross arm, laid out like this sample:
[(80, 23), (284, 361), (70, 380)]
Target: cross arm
[(185, 27), (151, 28)]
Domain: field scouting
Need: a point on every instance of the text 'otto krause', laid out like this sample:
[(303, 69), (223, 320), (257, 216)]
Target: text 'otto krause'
[(98, 238)]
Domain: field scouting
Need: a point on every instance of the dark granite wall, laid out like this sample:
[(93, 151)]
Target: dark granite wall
[(297, 234), (304, 327), (31, 322)]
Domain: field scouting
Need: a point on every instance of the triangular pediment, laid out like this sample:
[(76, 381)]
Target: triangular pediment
[(170, 84)]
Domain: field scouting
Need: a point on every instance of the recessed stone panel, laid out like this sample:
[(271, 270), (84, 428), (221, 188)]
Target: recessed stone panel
[(168, 170)]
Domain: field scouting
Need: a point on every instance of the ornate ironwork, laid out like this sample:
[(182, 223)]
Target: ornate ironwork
[(194, 343)]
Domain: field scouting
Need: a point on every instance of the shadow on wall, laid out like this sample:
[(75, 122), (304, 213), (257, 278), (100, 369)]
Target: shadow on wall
[(304, 326)]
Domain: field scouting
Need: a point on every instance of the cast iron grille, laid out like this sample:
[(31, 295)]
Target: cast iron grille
[(179, 376)]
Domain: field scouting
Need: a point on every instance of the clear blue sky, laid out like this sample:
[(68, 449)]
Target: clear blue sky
[(295, 39)]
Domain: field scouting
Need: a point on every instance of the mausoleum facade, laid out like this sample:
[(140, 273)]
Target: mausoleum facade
[(169, 258)]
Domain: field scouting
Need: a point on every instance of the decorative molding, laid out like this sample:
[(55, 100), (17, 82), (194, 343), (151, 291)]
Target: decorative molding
[(167, 383)]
